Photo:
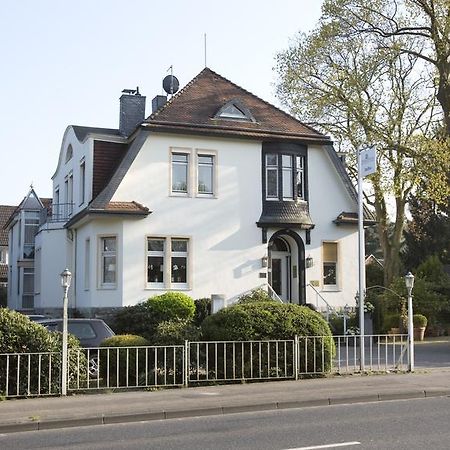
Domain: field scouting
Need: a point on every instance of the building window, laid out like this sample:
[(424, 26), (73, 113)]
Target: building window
[(31, 227), (28, 288), (167, 262), (180, 173), (179, 261), (3, 256), (108, 261), (155, 261), (87, 264), (69, 153), (82, 181), (300, 176), (329, 251), (287, 173), (37, 271), (271, 176), (205, 174)]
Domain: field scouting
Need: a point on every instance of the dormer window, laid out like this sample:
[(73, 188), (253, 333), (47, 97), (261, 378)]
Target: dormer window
[(235, 110)]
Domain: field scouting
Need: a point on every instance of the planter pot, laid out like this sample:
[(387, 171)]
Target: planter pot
[(419, 333), (394, 331)]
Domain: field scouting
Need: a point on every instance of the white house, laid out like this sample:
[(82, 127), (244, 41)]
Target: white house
[(216, 192), (21, 226)]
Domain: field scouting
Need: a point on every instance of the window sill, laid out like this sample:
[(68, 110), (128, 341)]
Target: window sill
[(107, 287), (179, 194), (172, 288), (331, 289)]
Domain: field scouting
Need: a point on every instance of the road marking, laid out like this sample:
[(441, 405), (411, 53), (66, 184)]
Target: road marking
[(342, 444)]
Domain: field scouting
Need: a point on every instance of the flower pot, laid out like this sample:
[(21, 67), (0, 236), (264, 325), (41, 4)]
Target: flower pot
[(419, 333), (394, 331)]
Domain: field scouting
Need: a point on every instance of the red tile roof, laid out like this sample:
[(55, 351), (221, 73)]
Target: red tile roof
[(107, 156), (5, 213), (196, 105), (126, 207)]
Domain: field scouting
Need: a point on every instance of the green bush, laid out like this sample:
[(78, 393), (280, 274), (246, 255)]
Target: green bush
[(143, 319), (123, 366), (255, 296), (172, 305), (175, 332), (419, 320), (202, 310), (391, 321), (20, 335), (273, 320)]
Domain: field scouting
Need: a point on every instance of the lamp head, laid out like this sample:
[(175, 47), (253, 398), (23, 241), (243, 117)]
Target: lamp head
[(409, 281), (66, 278)]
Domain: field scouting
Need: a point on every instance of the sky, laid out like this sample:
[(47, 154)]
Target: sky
[(66, 63)]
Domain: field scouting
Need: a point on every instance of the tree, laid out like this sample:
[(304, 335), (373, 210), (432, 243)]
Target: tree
[(428, 233), (425, 23), (354, 87)]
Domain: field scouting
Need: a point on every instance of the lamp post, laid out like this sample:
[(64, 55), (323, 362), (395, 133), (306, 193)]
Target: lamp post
[(66, 278), (409, 281)]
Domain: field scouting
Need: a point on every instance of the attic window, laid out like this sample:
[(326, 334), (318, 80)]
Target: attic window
[(69, 153), (234, 110)]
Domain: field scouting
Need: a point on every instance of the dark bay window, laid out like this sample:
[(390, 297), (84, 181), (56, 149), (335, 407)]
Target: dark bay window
[(285, 176), (108, 261), (271, 176)]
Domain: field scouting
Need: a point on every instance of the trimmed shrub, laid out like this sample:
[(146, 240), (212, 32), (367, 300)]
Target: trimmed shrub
[(273, 320), (124, 366), (255, 296), (202, 310), (18, 334), (143, 319), (175, 332), (419, 320), (172, 305)]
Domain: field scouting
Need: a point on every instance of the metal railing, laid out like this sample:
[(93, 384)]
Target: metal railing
[(30, 374), (35, 374), (56, 212)]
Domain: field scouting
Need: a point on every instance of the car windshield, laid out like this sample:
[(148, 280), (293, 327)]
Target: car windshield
[(82, 330)]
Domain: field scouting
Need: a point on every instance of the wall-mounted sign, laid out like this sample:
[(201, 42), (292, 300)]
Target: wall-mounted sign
[(368, 161)]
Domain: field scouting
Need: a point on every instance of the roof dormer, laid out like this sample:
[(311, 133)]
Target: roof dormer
[(234, 110)]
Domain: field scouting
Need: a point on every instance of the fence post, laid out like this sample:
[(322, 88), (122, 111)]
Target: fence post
[(186, 363), (296, 352)]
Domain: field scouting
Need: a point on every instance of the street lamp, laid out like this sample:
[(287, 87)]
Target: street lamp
[(66, 278), (409, 281)]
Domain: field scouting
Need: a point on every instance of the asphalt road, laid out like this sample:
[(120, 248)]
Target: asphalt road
[(432, 354), (403, 424)]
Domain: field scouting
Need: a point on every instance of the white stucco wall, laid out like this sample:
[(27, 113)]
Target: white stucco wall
[(225, 244), (327, 199)]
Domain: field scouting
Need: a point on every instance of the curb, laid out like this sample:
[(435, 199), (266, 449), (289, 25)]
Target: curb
[(216, 411)]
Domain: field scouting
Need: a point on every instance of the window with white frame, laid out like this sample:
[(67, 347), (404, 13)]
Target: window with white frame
[(82, 181), (287, 176), (31, 227), (205, 174), (271, 176), (3, 256), (108, 261), (28, 288), (37, 271), (155, 261), (330, 261), (179, 262), (180, 173), (168, 262)]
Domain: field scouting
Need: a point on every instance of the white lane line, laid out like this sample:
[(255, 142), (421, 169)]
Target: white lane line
[(342, 444)]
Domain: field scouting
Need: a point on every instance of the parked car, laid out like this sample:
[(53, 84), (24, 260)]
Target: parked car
[(36, 317), (90, 333)]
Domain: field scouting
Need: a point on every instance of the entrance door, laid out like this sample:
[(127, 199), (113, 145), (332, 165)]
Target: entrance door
[(280, 274)]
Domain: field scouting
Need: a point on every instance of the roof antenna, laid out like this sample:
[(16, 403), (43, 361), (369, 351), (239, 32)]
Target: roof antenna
[(204, 36)]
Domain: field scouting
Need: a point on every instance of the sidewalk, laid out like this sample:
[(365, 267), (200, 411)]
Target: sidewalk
[(107, 408)]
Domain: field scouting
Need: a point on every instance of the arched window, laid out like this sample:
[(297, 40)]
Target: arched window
[(69, 153)]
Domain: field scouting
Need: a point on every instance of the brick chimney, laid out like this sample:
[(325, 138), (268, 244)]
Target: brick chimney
[(132, 111)]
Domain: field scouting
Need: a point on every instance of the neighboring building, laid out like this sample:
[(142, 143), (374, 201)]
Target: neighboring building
[(217, 192), (5, 213), (22, 226)]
